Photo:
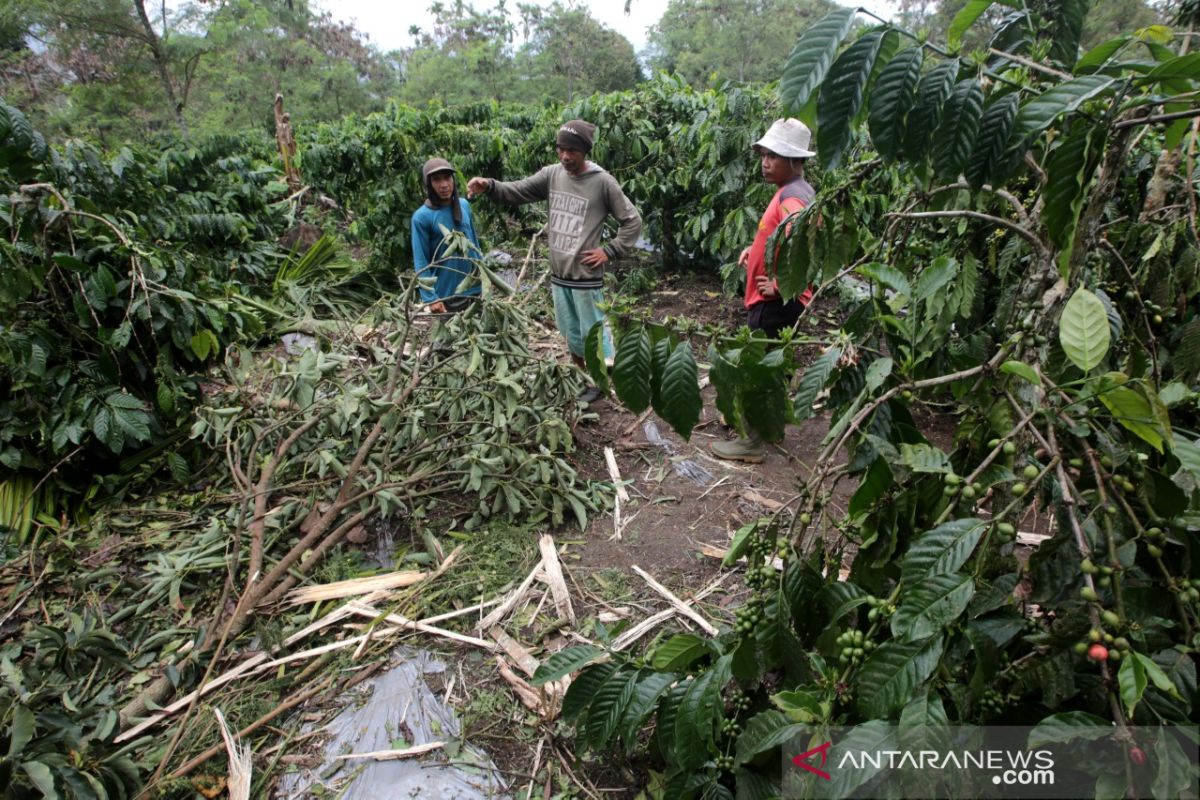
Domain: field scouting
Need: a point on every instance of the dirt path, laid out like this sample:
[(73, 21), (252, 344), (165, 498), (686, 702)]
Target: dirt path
[(681, 497)]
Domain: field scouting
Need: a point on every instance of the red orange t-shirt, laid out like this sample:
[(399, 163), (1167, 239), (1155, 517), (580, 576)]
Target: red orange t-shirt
[(791, 197)]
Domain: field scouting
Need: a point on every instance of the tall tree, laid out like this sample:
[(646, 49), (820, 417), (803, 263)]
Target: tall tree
[(466, 56), (325, 68), (102, 41), (568, 53), (710, 41), (162, 63)]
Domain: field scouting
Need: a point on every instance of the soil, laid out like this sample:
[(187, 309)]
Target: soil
[(681, 496)]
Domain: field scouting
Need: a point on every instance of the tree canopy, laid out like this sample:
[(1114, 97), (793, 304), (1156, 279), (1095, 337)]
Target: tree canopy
[(569, 53), (557, 52), (735, 40), (119, 69)]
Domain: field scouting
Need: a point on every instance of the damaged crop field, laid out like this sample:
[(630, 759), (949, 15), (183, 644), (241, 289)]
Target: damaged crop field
[(380, 482), (272, 526), (413, 481)]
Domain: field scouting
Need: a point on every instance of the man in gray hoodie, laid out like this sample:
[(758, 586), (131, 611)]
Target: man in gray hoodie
[(581, 196)]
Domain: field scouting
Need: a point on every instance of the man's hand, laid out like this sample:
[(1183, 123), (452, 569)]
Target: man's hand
[(594, 258), (477, 186), (744, 258), (767, 287), (437, 307)]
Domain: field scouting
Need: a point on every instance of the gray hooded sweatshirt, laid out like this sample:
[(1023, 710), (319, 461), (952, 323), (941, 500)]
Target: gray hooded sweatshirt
[(578, 207)]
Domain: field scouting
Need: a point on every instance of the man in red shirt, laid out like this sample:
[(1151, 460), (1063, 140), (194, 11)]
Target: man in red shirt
[(783, 150)]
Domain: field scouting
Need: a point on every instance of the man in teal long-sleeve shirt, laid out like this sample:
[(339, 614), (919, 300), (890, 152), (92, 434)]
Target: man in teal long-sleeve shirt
[(442, 212)]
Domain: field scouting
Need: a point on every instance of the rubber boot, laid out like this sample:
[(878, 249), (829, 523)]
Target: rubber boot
[(749, 449), (589, 395)]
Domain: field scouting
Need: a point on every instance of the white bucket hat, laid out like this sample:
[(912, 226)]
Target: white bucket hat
[(789, 138)]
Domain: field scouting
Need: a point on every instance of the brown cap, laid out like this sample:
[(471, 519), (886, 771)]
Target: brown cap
[(577, 134), (435, 165)]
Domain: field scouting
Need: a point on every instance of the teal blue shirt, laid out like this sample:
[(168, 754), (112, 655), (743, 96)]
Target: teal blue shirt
[(429, 247)]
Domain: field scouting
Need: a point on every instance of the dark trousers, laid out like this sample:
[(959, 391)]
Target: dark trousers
[(773, 316)]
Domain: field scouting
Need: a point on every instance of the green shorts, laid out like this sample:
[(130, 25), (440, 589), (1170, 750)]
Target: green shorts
[(575, 313)]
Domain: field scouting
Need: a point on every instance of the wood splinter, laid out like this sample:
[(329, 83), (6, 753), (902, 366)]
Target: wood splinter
[(680, 606), (392, 755)]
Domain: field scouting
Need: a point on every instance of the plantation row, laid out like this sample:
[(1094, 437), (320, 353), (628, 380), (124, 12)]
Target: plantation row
[(681, 155), (132, 271)]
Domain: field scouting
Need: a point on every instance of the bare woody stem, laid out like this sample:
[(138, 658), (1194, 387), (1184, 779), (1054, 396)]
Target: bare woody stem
[(1153, 118), (988, 218), (262, 491)]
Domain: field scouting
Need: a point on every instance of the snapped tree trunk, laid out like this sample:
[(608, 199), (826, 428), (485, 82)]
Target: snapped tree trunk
[(286, 141)]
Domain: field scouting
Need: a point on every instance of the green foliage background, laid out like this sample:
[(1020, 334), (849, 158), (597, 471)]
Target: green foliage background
[(1026, 260)]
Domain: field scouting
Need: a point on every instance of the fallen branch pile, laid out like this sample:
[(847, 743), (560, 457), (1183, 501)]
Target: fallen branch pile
[(545, 586)]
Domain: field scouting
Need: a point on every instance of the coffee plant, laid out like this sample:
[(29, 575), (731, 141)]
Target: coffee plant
[(56, 694), (1028, 244), (116, 293), (678, 154)]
